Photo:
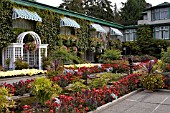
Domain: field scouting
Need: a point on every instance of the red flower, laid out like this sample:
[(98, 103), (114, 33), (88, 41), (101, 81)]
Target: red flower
[(51, 111), (26, 107), (86, 108)]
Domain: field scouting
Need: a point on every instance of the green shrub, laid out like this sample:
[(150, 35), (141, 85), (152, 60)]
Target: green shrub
[(5, 104), (98, 82), (44, 89), (152, 81), (78, 86), (19, 64), (46, 62), (111, 77), (7, 62), (110, 55), (166, 56)]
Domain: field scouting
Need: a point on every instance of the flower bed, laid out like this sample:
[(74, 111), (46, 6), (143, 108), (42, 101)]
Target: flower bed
[(23, 72)]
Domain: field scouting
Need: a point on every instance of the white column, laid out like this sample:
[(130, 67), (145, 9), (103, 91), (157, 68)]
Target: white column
[(39, 58), (46, 52), (3, 59), (13, 63), (28, 57), (22, 49)]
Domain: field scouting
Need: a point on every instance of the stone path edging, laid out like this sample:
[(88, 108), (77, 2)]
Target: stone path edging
[(101, 108)]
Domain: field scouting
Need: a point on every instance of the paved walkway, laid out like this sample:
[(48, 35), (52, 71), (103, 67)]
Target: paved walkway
[(17, 79), (143, 102)]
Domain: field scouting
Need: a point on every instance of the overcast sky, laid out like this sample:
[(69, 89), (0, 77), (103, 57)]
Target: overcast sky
[(118, 2)]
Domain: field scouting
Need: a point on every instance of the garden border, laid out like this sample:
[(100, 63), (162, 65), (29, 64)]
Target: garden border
[(101, 108)]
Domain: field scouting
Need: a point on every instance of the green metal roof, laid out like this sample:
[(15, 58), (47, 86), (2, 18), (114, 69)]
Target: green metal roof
[(68, 13), (162, 5)]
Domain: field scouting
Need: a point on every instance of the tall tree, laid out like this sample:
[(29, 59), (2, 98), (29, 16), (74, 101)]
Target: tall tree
[(74, 5), (99, 8), (117, 16), (131, 11)]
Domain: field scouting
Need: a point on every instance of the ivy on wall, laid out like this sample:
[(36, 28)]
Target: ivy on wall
[(6, 34)]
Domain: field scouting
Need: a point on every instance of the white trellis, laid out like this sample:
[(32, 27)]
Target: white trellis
[(16, 50)]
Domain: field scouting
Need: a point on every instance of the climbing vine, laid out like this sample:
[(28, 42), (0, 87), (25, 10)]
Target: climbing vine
[(6, 34)]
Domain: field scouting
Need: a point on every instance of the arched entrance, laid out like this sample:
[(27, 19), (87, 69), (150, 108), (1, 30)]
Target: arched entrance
[(30, 51)]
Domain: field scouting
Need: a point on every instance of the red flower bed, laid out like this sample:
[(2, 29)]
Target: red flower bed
[(88, 100)]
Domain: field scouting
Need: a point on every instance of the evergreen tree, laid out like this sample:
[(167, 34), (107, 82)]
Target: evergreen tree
[(74, 5), (117, 16), (99, 8), (131, 11)]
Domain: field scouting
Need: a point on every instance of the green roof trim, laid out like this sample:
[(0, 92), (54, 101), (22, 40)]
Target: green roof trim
[(162, 5), (67, 13), (132, 27)]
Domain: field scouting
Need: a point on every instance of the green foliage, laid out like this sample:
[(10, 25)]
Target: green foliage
[(63, 55), (98, 82), (158, 66), (7, 62), (152, 81), (6, 34), (44, 89), (146, 44), (19, 64), (134, 47), (78, 86), (166, 56), (111, 77), (131, 11), (110, 55), (46, 62), (100, 9), (144, 39), (48, 29), (5, 104)]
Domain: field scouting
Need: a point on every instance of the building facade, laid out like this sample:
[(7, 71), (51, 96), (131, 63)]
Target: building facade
[(52, 26)]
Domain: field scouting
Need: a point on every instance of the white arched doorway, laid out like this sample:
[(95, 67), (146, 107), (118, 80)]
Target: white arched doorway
[(22, 50)]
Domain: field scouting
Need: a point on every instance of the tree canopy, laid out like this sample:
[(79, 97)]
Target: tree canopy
[(131, 11), (128, 14)]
